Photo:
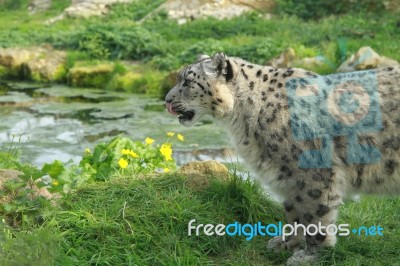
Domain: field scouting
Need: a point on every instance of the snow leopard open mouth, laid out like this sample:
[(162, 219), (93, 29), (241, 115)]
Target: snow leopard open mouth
[(185, 116)]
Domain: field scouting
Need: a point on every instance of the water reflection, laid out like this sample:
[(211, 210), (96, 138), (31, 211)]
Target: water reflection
[(59, 122)]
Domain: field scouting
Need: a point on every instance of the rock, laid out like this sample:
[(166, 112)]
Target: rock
[(283, 60), (14, 57), (310, 62), (8, 175), (182, 10), (46, 69), (392, 5), (200, 174), (42, 64), (4, 72), (39, 5), (86, 8), (365, 58), (126, 82), (96, 76)]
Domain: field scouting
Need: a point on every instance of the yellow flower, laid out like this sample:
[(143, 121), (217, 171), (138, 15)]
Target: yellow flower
[(134, 154), (149, 140), (129, 152), (180, 137), (166, 151), (123, 163), (125, 151), (166, 170), (55, 183), (170, 134), (87, 150)]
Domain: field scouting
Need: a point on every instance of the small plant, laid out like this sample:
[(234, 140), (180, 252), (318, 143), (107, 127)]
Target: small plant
[(21, 198), (92, 44), (135, 157), (135, 10), (120, 155)]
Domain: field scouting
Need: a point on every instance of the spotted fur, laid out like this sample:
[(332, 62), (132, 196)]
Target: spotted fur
[(250, 101)]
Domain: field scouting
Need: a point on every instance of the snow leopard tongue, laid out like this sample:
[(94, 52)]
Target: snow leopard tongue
[(169, 108)]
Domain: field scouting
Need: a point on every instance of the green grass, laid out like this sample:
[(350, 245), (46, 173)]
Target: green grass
[(169, 45), (162, 45), (368, 250), (144, 221)]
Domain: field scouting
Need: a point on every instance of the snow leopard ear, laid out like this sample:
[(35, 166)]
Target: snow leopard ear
[(219, 65)]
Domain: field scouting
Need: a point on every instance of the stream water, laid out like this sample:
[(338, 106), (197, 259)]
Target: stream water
[(59, 122)]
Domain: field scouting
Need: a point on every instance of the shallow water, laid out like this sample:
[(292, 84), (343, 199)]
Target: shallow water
[(59, 122)]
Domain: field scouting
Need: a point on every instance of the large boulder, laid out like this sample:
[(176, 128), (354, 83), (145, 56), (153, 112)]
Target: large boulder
[(182, 10), (365, 58), (49, 67), (14, 57), (86, 8), (43, 64), (39, 5), (392, 5)]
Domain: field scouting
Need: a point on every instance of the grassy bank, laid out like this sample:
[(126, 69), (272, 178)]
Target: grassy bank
[(131, 221), (115, 208), (161, 45)]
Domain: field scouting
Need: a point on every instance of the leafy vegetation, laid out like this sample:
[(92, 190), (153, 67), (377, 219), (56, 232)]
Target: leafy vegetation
[(132, 220), (317, 9), (128, 33), (121, 155)]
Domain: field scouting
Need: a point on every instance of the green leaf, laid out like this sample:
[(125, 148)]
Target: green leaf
[(54, 169), (7, 207)]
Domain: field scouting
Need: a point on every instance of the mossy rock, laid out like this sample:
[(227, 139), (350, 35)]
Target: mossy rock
[(15, 57), (125, 82), (42, 64), (138, 81), (46, 68), (199, 175), (96, 76), (3, 72), (10, 73), (366, 58)]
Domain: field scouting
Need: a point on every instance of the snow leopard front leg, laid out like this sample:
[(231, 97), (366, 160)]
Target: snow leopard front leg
[(291, 243), (313, 198)]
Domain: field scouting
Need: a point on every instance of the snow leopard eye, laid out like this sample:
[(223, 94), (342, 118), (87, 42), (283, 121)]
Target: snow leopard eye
[(187, 82)]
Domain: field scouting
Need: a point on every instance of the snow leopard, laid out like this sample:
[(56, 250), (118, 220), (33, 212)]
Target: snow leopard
[(313, 140)]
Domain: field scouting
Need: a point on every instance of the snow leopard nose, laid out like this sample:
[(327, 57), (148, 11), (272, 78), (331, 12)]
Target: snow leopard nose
[(170, 108)]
